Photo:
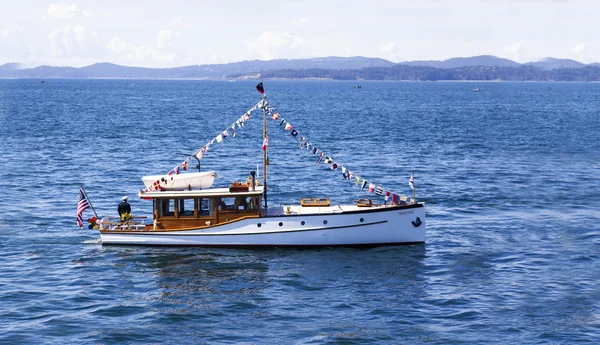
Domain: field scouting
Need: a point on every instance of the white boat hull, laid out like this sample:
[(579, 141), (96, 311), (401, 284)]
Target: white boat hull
[(377, 226), (197, 180)]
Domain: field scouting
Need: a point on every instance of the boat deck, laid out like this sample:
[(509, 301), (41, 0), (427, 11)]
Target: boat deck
[(291, 210)]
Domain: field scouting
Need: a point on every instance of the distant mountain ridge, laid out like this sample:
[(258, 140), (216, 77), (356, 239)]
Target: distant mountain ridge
[(110, 70), (256, 68), (553, 63), (481, 60)]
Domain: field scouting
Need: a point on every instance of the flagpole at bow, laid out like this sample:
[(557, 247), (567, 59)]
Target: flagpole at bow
[(412, 185)]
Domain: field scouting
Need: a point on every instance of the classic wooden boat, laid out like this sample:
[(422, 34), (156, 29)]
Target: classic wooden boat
[(186, 214)]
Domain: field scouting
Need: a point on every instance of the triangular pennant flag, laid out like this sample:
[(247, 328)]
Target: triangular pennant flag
[(364, 184), (289, 127), (282, 122), (184, 165), (356, 180), (320, 158)]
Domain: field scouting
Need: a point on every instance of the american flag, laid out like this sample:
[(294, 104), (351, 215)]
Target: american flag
[(81, 206)]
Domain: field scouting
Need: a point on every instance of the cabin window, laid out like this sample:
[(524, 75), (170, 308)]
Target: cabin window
[(227, 204), (247, 203), (186, 208), (253, 202), (166, 207), (206, 207)]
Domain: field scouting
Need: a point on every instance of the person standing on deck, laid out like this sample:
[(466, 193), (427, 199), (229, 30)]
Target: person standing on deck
[(124, 207)]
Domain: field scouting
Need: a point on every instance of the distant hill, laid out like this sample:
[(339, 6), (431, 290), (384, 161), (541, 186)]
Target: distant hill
[(426, 73), (552, 63), (109, 70), (481, 60), (9, 66), (483, 67)]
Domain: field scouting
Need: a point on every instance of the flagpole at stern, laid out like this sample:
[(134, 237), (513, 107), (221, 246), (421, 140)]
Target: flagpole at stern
[(88, 199)]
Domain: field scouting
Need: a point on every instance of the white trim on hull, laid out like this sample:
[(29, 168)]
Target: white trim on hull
[(378, 227)]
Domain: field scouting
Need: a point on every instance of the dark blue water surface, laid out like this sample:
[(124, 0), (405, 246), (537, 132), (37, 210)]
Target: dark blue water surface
[(510, 176)]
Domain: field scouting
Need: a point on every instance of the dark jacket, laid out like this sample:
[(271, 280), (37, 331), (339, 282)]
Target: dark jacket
[(124, 207)]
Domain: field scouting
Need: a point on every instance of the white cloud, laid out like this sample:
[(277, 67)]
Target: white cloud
[(65, 11), (515, 51), (79, 32), (4, 33), (64, 41), (177, 21), (117, 45), (165, 39), (388, 47), (144, 54), (302, 21), (278, 44), (391, 51), (579, 51)]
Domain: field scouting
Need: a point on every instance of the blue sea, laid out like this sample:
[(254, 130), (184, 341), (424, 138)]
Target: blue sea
[(510, 176)]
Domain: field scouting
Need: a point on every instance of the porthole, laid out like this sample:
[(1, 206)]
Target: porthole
[(325, 222), (362, 220), (302, 222), (259, 225), (280, 223)]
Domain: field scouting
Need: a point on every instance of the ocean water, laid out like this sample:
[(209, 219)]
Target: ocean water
[(509, 174)]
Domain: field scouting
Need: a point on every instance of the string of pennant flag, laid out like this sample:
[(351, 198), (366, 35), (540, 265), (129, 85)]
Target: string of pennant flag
[(239, 123), (323, 158)]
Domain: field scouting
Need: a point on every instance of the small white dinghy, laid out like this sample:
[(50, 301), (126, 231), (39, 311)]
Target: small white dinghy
[(197, 180)]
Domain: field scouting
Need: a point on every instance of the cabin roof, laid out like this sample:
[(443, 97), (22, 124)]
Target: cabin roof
[(209, 192)]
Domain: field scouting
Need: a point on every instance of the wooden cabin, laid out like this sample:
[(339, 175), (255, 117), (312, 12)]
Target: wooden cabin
[(192, 209)]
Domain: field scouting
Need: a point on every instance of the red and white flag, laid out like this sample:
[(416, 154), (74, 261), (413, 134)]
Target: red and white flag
[(83, 205), (265, 143), (411, 183), (371, 187)]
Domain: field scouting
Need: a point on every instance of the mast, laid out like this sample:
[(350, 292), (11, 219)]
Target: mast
[(265, 150)]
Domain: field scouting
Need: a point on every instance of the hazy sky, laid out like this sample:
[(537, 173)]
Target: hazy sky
[(175, 33)]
